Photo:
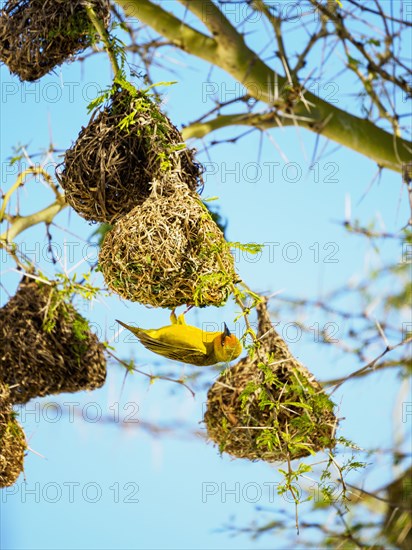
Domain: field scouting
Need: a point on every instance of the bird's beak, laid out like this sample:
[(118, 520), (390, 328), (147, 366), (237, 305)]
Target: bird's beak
[(226, 332)]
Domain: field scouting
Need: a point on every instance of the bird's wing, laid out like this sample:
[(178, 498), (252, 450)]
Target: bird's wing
[(177, 345)]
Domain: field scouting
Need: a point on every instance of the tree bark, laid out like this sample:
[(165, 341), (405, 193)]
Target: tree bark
[(227, 50)]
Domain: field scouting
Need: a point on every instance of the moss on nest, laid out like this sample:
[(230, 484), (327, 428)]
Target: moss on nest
[(128, 147), (38, 35), (168, 252), (46, 346), (270, 407), (12, 441)]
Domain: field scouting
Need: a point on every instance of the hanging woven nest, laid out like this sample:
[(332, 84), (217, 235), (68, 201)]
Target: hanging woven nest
[(270, 407), (38, 35), (46, 346), (126, 146), (168, 252), (12, 441)]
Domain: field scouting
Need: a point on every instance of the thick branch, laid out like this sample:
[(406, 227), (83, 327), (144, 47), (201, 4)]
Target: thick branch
[(200, 129), (376, 148), (225, 35), (262, 83), (181, 35)]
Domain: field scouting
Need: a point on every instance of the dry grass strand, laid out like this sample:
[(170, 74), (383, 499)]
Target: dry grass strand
[(12, 441)]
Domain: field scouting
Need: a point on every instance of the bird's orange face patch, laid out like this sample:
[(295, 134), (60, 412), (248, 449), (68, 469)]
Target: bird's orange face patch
[(229, 341), (227, 347), (232, 343)]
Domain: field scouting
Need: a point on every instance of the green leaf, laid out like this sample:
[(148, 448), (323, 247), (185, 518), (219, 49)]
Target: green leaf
[(121, 81), (97, 101), (298, 404), (352, 62), (170, 83), (100, 232), (304, 468), (252, 248), (15, 159)]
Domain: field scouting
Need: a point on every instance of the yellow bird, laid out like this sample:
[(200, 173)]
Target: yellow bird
[(182, 342)]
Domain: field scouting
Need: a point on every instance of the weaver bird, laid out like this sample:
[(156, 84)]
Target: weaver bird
[(182, 342)]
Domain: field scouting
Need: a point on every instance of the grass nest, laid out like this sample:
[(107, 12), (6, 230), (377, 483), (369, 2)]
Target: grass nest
[(117, 158), (12, 441), (168, 252), (270, 407), (38, 35), (46, 346)]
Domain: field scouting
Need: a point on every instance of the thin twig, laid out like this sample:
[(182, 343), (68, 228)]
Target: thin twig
[(372, 363), (152, 377), (100, 28)]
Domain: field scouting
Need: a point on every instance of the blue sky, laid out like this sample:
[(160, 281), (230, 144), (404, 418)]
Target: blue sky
[(95, 483)]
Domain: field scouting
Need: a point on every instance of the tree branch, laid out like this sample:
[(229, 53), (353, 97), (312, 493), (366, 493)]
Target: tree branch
[(100, 28), (371, 365), (21, 223), (261, 121), (262, 83)]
